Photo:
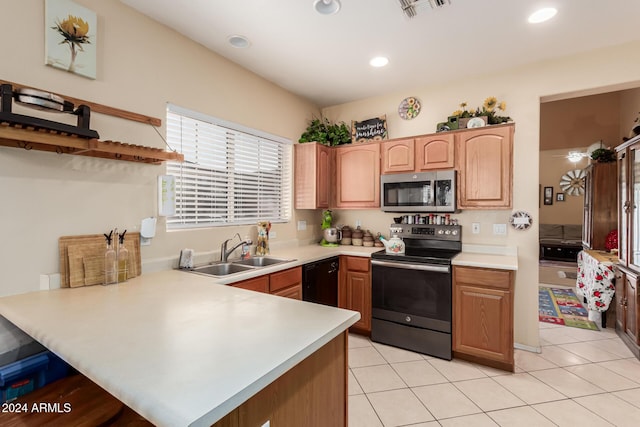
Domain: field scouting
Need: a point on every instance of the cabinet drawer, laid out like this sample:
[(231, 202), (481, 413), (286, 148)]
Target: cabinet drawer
[(284, 279), (354, 263), (259, 284), (483, 277)]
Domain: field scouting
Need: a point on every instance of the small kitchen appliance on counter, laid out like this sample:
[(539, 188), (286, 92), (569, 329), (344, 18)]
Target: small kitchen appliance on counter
[(330, 235), (411, 291)]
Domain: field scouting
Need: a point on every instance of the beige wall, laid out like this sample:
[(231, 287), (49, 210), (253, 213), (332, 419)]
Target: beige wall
[(554, 164), (522, 89), (629, 111), (141, 66)]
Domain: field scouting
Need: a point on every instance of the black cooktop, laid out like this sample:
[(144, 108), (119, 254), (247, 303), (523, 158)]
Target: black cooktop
[(419, 255)]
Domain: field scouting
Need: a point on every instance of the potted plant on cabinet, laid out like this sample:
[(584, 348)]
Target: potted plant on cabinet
[(325, 132)]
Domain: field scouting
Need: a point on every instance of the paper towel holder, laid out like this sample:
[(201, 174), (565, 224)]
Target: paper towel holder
[(147, 230)]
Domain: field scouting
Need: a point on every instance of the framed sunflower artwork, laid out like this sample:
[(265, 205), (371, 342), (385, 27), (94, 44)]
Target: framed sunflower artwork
[(70, 37)]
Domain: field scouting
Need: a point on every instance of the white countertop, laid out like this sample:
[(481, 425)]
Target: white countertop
[(486, 260), (177, 348)]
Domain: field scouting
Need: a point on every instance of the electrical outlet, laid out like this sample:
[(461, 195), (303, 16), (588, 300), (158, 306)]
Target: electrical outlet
[(475, 228), (500, 229), (302, 225), (273, 234)]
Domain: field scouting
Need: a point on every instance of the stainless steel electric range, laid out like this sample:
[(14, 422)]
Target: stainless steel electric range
[(411, 293)]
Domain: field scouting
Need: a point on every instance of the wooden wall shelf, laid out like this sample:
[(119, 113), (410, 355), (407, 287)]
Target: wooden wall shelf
[(47, 140)]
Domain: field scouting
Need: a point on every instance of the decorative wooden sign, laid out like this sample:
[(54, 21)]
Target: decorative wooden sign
[(369, 130)]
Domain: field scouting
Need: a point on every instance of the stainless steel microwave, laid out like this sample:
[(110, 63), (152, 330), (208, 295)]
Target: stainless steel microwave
[(419, 192)]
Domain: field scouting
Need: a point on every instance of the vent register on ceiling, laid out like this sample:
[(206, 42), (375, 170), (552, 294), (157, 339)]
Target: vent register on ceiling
[(28, 132), (411, 7)]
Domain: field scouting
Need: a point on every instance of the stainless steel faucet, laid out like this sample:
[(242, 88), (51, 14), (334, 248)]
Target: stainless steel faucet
[(224, 252)]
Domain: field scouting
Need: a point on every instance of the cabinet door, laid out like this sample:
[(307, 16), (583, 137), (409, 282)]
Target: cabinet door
[(358, 292), (482, 323), (631, 299), (634, 209), (587, 208), (259, 284), (621, 308), (397, 156), (434, 152), (358, 176), (312, 175), (623, 208), (485, 163)]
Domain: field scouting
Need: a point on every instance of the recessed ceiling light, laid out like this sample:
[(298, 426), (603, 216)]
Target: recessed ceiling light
[(238, 41), (542, 15), (379, 61), (326, 7)]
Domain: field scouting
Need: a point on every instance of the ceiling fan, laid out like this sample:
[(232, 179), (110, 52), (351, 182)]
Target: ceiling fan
[(409, 7), (575, 156)]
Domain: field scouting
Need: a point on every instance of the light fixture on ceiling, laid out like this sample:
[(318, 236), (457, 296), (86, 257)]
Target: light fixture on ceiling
[(379, 61), (238, 41), (575, 156), (542, 15), (326, 7)]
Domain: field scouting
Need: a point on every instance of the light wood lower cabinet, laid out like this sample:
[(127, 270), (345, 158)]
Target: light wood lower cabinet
[(312, 394), (483, 316), (286, 283), (354, 290)]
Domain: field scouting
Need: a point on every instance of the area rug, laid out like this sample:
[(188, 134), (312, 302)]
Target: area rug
[(562, 307)]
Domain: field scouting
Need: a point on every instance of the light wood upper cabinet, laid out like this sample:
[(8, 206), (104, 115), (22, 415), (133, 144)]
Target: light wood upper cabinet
[(397, 156), (420, 154), (434, 152), (485, 165), (312, 176), (358, 176)]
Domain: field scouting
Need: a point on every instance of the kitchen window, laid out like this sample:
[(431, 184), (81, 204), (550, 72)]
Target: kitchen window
[(231, 174)]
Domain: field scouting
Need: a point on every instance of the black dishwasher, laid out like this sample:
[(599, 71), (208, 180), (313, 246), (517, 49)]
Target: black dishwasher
[(320, 282)]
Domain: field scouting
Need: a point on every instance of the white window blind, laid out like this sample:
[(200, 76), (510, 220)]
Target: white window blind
[(230, 175)]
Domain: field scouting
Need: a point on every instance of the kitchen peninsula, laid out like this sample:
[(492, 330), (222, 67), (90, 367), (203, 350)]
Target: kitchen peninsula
[(183, 351)]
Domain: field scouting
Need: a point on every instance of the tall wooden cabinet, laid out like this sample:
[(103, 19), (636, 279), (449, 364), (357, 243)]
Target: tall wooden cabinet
[(354, 290), (485, 163), (357, 176), (312, 176), (627, 295), (483, 316), (600, 214)]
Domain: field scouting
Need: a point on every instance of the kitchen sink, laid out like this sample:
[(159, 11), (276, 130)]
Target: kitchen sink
[(221, 269), (261, 261), (238, 266)]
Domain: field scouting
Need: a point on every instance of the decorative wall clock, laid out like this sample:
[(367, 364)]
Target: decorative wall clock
[(409, 108), (520, 220), (572, 182)]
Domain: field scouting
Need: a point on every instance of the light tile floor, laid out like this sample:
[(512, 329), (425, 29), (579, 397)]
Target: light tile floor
[(581, 378)]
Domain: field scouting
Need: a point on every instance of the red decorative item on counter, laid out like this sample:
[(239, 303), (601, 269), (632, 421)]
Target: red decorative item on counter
[(611, 242)]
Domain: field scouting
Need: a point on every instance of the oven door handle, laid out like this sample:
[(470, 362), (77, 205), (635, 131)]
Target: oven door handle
[(423, 267)]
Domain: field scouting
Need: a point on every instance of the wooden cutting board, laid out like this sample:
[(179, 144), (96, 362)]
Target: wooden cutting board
[(82, 259)]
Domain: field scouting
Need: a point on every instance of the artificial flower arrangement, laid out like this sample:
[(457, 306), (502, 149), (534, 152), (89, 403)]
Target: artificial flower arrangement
[(488, 110)]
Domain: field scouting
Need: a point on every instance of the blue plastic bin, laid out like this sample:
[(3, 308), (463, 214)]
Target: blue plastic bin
[(28, 374)]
